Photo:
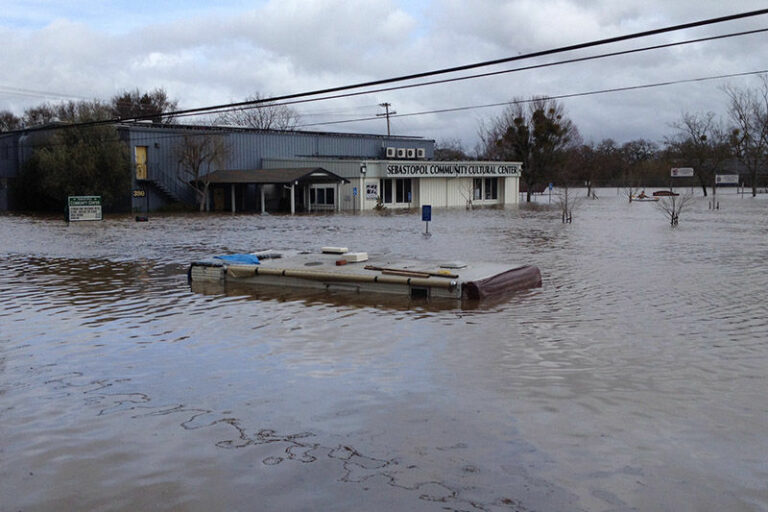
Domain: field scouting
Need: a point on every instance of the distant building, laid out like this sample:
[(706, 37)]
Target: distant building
[(270, 170)]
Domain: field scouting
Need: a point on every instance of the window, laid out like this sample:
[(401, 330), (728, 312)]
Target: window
[(403, 186), (491, 188), (386, 190), (397, 190), (477, 188), (322, 196)]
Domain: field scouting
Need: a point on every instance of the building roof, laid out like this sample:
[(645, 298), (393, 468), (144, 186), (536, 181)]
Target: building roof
[(275, 176), (242, 129)]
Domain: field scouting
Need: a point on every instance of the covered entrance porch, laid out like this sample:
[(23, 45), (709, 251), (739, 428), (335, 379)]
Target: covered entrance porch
[(304, 189)]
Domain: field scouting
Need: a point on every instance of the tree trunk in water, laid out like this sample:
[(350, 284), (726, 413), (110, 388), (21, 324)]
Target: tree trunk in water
[(703, 185), (203, 198)]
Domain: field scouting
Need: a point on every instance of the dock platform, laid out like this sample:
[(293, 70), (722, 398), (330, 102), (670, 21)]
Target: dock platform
[(336, 269)]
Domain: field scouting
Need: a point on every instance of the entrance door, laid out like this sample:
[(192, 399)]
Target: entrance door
[(141, 162), (219, 199)]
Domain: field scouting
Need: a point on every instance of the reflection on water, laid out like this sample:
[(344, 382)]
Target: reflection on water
[(632, 380)]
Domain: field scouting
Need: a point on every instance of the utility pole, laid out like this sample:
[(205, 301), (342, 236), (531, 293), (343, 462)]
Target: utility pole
[(387, 113)]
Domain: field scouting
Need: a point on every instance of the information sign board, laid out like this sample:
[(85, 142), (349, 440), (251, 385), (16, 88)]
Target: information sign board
[(426, 212), (727, 179), (80, 208), (682, 172)]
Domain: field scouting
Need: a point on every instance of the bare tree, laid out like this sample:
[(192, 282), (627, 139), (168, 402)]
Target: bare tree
[(38, 116), (263, 115), (197, 156), (639, 158), (534, 132), (567, 201), (671, 207), (630, 191), (9, 121), (450, 149), (701, 143), (748, 110), (467, 191), (152, 105)]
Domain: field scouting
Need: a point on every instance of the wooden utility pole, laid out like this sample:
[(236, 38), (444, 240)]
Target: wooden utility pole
[(386, 114)]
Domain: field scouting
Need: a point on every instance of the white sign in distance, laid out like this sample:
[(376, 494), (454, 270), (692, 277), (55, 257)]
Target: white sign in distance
[(727, 179), (81, 208), (682, 172)]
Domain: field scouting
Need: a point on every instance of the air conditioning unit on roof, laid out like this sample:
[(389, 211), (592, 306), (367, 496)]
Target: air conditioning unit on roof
[(400, 152), (391, 152), (410, 153)]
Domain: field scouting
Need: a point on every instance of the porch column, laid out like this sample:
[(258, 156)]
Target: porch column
[(293, 201), (338, 197), (233, 197), (263, 206)]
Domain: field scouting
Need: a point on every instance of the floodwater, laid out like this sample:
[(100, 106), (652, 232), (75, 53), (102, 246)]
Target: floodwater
[(634, 379)]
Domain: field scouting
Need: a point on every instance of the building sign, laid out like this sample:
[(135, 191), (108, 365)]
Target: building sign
[(372, 191), (682, 172), (422, 169), (138, 192), (727, 179), (83, 208)]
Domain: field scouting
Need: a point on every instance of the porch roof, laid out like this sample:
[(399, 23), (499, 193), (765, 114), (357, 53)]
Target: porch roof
[(274, 176)]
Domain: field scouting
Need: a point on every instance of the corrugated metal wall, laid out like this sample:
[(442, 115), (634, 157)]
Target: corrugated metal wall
[(249, 149), (252, 149)]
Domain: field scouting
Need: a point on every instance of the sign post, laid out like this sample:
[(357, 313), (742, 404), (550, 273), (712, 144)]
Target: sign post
[(680, 172), (137, 194), (83, 208), (426, 216), (723, 179)]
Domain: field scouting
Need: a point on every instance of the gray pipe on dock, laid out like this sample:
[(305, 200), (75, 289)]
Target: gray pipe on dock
[(243, 271)]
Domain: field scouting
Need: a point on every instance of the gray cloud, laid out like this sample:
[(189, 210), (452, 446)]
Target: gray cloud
[(205, 57)]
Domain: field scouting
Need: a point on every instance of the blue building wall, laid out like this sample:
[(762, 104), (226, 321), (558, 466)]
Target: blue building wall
[(248, 149)]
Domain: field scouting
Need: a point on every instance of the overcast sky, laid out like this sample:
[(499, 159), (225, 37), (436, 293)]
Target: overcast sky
[(201, 55)]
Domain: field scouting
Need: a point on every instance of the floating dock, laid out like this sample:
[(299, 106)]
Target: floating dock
[(337, 269)]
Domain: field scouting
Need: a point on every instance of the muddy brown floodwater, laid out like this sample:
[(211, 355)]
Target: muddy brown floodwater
[(634, 379)]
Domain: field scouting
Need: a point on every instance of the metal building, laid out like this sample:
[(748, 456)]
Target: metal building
[(270, 170)]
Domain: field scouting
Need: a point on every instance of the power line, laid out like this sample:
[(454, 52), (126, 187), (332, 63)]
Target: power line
[(556, 97), (513, 70), (18, 91), (166, 136), (563, 49)]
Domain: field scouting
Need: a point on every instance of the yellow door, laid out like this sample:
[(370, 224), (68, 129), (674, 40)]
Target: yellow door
[(141, 162)]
